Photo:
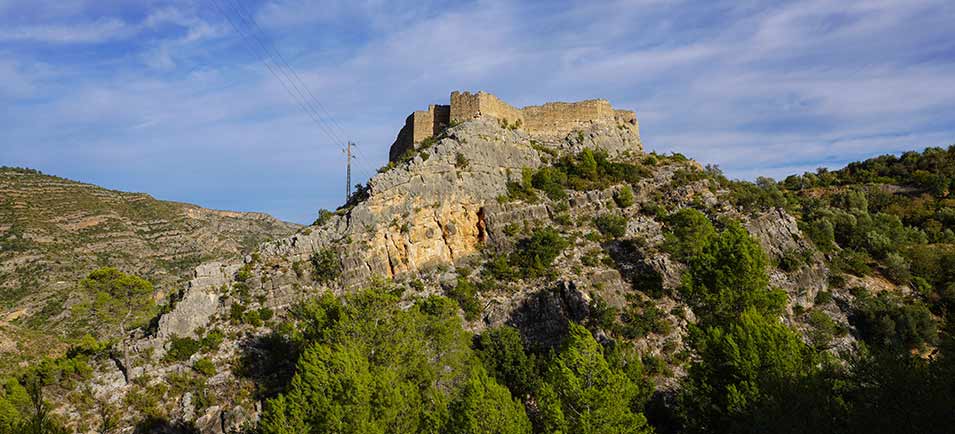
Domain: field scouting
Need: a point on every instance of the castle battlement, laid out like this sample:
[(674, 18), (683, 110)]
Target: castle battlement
[(555, 119)]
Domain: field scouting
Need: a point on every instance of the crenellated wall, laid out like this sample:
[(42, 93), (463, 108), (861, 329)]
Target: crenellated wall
[(551, 119)]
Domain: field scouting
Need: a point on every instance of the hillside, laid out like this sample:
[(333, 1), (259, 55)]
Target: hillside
[(501, 278), (54, 231)]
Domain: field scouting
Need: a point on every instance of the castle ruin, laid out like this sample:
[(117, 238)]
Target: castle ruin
[(555, 119)]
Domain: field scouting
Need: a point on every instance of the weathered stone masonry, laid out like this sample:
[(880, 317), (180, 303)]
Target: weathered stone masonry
[(551, 119)]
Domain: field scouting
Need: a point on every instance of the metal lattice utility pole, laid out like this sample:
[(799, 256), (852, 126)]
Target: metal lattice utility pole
[(348, 158)]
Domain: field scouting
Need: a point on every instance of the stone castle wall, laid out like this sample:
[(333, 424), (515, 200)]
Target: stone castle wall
[(467, 105), (419, 126), (560, 118), (551, 119)]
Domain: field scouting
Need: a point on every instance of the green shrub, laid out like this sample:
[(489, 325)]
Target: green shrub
[(211, 341), (641, 318), (324, 216), (205, 367), (689, 233), (551, 181), (887, 322), (327, 265), (611, 225), (460, 161), (624, 197), (252, 318), (465, 294), (823, 328), (852, 262), (534, 255), (266, 313), (793, 260), (522, 190), (823, 297), (236, 312), (181, 349)]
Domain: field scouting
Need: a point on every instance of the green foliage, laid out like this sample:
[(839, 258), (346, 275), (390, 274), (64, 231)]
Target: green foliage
[(582, 394), (211, 341), (740, 364), (551, 181), (119, 299), (728, 275), (522, 190), (823, 329), (503, 354), (624, 197), (205, 367), (588, 170), (244, 273), (533, 256), (181, 349), (611, 225), (484, 406), (793, 260), (324, 216), (887, 322), (466, 295), (327, 266), (689, 232), (640, 318), (853, 262), (370, 366), (763, 195), (460, 161)]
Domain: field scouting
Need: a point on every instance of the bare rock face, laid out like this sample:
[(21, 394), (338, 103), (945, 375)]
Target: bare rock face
[(201, 300), (779, 235)]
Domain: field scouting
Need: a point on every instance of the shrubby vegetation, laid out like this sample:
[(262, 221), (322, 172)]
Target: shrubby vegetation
[(531, 258), (366, 365), (327, 266), (588, 170)]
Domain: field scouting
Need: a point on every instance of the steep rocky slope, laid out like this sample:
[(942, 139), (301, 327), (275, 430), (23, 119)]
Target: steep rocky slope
[(54, 231), (442, 216)]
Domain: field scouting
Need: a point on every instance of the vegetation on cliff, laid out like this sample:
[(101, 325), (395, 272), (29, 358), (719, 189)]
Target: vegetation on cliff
[(608, 293)]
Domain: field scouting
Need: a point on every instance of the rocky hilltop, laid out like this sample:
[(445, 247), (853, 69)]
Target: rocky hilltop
[(539, 225), (54, 231)]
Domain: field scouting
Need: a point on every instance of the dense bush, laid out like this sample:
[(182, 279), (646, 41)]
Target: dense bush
[(327, 266), (371, 366), (624, 197), (728, 275), (588, 170), (611, 225), (465, 294), (533, 256), (181, 349), (888, 322)]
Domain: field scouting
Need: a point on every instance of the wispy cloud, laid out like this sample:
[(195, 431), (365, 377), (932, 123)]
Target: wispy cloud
[(97, 31)]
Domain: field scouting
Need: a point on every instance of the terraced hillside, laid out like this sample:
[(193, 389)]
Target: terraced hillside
[(54, 231)]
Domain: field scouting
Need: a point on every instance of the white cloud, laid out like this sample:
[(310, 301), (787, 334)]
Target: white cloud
[(97, 31)]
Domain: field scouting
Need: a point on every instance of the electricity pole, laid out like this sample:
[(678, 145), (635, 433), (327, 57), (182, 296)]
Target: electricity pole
[(348, 158)]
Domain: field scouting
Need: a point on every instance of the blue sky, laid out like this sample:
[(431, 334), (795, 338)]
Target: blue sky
[(164, 97)]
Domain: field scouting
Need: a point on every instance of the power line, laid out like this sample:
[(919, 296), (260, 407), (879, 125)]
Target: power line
[(251, 19), (289, 84), (292, 75), (285, 85)]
